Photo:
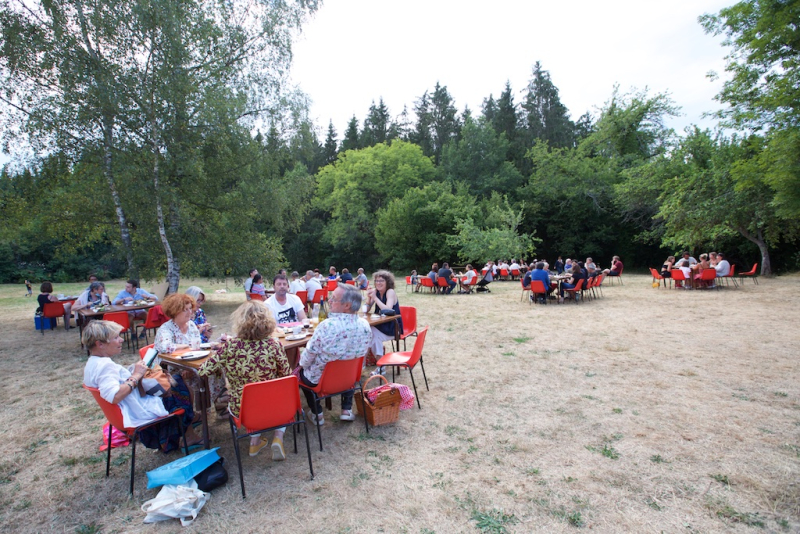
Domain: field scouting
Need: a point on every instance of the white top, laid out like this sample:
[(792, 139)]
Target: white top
[(311, 286), (288, 312), (102, 373), (723, 268), (169, 335), (248, 284), (513, 266), (84, 298), (297, 285), (469, 276)]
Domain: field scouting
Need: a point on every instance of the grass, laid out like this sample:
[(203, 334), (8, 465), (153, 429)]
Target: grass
[(511, 430)]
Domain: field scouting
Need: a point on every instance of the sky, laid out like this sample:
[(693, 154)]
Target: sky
[(353, 52)]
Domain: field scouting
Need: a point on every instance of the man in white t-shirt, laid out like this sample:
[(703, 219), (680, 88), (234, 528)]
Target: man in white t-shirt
[(297, 284), (312, 284), (285, 307), (723, 267), (248, 284)]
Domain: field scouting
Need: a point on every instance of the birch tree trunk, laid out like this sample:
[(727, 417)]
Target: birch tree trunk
[(124, 230), (173, 266)]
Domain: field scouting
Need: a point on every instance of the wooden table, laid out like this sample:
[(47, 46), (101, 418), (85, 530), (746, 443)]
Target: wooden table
[(87, 314), (293, 346)]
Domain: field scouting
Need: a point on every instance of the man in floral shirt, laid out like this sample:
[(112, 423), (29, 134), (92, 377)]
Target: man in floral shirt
[(342, 336)]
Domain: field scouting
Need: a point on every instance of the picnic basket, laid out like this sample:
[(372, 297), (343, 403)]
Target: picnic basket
[(385, 409)]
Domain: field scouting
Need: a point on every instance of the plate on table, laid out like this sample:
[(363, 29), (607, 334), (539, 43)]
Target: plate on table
[(375, 316), (194, 355), (295, 337), (128, 304), (207, 345)]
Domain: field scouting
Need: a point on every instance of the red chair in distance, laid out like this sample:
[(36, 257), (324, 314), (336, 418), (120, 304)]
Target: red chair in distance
[(155, 318), (504, 274), (331, 286), (524, 290), (52, 310), (283, 398), (537, 288), (707, 279), (339, 376), (426, 282), (350, 282), (256, 296), (730, 276), (752, 273), (574, 291), (514, 273), (441, 284), (469, 287), (303, 296), (408, 315), (408, 283), (124, 320), (657, 277), (114, 415), (599, 283), (408, 360), (319, 296), (678, 276)]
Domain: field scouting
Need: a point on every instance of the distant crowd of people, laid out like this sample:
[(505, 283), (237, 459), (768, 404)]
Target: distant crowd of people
[(693, 270)]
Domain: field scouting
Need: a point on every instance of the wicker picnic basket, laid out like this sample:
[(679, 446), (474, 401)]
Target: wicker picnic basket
[(385, 409)]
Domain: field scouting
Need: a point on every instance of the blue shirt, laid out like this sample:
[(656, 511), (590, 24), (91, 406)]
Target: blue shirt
[(140, 294), (541, 274)]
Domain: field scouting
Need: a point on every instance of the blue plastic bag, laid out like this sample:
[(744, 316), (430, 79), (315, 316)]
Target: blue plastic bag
[(183, 469)]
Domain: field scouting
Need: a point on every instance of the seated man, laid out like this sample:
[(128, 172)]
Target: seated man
[(616, 267), (465, 283), (361, 279), (343, 336), (447, 274), (687, 257), (131, 293), (248, 284), (312, 285), (298, 284), (285, 307), (345, 276), (723, 267), (539, 273)]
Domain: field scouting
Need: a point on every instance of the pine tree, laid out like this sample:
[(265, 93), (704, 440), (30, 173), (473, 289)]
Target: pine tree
[(544, 116), (330, 149), (351, 139), (376, 125)]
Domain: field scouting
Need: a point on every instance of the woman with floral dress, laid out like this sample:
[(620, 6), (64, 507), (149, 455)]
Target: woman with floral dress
[(253, 355)]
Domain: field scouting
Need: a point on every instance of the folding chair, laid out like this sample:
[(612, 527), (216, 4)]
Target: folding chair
[(282, 396), (408, 314)]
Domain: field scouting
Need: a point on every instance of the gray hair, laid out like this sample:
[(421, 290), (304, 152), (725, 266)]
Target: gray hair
[(194, 292), (96, 331), (96, 285), (352, 296)]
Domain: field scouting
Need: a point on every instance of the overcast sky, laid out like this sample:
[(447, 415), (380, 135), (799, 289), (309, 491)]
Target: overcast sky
[(355, 51)]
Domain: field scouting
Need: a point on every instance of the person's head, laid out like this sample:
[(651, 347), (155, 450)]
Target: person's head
[(569, 261), (540, 265), (179, 307), (295, 275), (469, 266), (671, 258), (360, 270), (345, 271), (282, 271), (281, 285), (316, 272), (46, 287), (197, 294), (384, 281), (97, 288), (435, 267), (703, 257), (253, 320), (309, 275), (131, 286), (720, 256), (712, 255), (685, 263), (615, 258), (253, 272), (589, 260), (414, 273), (345, 299), (102, 338), (332, 270), (92, 278), (685, 254), (576, 267), (257, 278), (445, 265)]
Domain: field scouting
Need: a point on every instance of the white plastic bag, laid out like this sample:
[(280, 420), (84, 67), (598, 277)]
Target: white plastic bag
[(178, 502)]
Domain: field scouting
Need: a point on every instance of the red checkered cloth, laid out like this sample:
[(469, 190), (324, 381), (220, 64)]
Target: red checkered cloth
[(405, 394)]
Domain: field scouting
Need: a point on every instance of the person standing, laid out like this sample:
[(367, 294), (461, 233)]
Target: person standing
[(343, 336), (285, 307), (248, 284), (29, 287)]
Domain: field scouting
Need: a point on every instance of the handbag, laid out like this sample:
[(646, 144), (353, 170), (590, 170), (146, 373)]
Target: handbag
[(212, 476), (155, 382), (182, 502)]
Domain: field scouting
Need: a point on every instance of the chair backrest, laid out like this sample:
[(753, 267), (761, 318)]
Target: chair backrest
[(408, 314), (655, 273), (503, 272), (282, 395), (303, 296), (52, 309), (708, 274), (515, 272), (350, 282), (112, 411), (442, 281), (408, 280), (155, 317), (332, 285), (143, 350), (733, 268), (319, 296), (121, 318), (677, 275), (589, 283), (340, 375), (426, 281), (751, 271), (537, 287), (416, 352), (579, 285), (256, 296)]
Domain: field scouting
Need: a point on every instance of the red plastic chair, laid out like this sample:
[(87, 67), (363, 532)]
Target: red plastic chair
[(618, 278), (303, 296), (537, 288), (319, 296), (730, 276), (574, 290), (657, 277), (331, 286), (339, 376), (752, 273), (282, 396), (524, 290), (155, 318), (504, 274), (426, 282), (124, 320), (350, 282), (514, 273), (441, 282), (408, 283), (469, 286), (708, 276), (114, 415), (408, 314), (678, 276), (256, 296), (52, 310), (408, 360)]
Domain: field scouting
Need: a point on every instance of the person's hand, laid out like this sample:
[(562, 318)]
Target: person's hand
[(224, 337), (139, 369)]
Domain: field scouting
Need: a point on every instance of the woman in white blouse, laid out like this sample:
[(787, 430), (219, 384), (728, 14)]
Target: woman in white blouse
[(118, 385)]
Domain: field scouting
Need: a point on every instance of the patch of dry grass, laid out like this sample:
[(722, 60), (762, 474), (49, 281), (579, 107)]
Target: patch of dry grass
[(644, 411)]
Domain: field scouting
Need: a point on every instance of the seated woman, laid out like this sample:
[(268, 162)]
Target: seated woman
[(199, 318), (46, 296), (384, 297), (465, 281), (253, 355), (258, 286), (118, 385), (666, 269), (699, 267), (576, 274)]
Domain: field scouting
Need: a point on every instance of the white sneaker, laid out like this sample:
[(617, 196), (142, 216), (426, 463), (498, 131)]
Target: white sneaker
[(379, 371), (347, 415), (318, 420)]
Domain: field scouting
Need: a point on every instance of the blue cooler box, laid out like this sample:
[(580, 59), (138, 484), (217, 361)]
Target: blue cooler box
[(48, 323)]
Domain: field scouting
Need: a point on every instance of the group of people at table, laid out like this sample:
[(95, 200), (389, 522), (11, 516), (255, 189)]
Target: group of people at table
[(251, 354), (693, 270), (310, 282)]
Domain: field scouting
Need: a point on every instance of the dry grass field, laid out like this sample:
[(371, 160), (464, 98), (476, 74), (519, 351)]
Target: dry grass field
[(648, 410)]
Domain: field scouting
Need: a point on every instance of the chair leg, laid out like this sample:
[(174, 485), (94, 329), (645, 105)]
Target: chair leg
[(108, 456), (238, 454), (411, 372), (183, 433), (133, 456), (421, 364), (308, 452), (316, 423)]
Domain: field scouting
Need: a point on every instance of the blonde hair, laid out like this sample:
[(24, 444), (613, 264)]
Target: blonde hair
[(253, 320), (96, 331), (176, 303)]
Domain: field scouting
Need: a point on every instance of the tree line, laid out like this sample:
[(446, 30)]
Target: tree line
[(154, 168)]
